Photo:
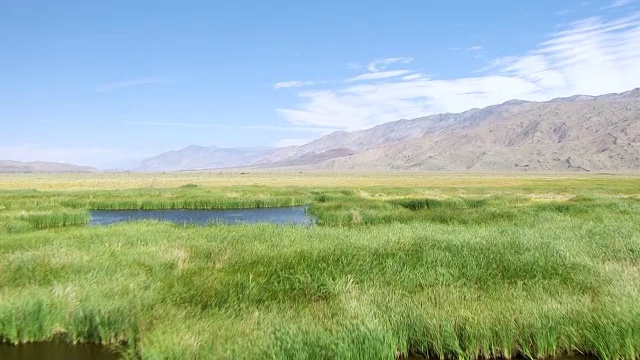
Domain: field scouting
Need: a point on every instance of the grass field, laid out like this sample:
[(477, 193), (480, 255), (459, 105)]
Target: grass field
[(453, 266)]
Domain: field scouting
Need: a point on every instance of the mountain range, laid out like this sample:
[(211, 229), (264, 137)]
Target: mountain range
[(578, 133), (9, 166), (199, 157), (581, 133)]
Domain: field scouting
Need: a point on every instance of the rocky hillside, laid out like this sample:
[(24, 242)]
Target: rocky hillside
[(581, 133), (358, 141)]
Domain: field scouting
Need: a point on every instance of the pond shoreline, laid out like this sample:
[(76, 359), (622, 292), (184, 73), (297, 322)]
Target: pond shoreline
[(60, 350), (292, 215)]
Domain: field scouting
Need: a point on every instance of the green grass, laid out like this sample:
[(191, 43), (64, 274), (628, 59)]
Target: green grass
[(28, 218), (389, 270), (185, 197)]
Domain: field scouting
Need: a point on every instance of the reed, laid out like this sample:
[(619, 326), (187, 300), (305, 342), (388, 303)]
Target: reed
[(169, 198), (389, 270)]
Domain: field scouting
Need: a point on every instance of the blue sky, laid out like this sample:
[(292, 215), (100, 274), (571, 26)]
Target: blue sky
[(95, 82)]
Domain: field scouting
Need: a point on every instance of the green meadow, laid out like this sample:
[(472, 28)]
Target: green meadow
[(444, 266)]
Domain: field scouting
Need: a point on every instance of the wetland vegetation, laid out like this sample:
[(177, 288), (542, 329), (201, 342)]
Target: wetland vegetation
[(448, 266)]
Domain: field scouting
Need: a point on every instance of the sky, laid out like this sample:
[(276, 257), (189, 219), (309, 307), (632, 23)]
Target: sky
[(94, 83)]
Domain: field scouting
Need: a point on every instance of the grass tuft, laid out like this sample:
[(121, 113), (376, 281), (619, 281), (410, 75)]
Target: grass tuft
[(491, 272)]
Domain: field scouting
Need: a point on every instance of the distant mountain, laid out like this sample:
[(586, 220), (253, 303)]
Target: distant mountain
[(581, 133), (126, 164), (578, 133), (199, 157), (389, 133), (8, 166), (302, 159)]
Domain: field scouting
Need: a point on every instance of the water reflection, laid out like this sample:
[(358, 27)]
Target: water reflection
[(296, 215), (57, 351), (415, 356)]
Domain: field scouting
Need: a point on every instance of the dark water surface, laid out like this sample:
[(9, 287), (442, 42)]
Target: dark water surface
[(56, 351), (65, 351), (413, 356), (296, 215)]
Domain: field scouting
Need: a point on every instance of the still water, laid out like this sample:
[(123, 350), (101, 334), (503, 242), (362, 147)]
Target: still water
[(296, 215), (64, 351), (413, 356), (56, 351)]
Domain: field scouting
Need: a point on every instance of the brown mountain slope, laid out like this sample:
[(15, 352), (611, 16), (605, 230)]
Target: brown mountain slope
[(581, 133), (8, 166), (384, 134)]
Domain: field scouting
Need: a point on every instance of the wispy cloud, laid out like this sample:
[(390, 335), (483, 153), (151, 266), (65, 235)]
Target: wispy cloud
[(592, 56), (376, 71), (378, 75), (382, 64), (295, 83), (128, 83), (619, 3), (563, 12), (227, 126), (469, 48), (413, 77)]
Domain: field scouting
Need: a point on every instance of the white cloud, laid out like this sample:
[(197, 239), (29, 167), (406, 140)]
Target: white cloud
[(470, 48), (382, 64), (375, 69), (412, 77), (619, 3), (592, 56), (378, 75), (563, 12), (227, 126), (293, 84), (128, 83)]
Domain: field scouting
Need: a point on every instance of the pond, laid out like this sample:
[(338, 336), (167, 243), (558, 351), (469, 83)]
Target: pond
[(65, 351), (414, 356), (296, 215), (57, 351)]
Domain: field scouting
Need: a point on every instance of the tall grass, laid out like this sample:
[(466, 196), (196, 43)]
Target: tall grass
[(353, 210), (389, 271), (55, 218), (157, 199), (286, 292), (16, 221), (21, 210)]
